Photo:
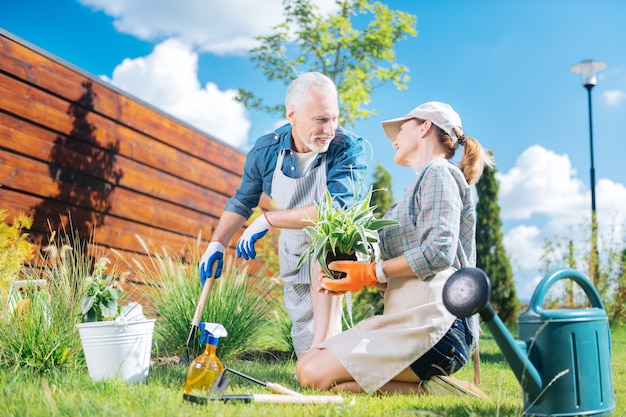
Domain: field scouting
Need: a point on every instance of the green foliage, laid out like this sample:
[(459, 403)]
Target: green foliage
[(342, 230), (359, 57), (365, 303), (382, 196), (617, 306), (15, 249), (491, 254), (103, 293), (276, 335), (237, 300), (38, 333), (610, 279)]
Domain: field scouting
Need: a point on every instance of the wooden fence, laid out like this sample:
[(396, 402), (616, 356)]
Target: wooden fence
[(74, 147)]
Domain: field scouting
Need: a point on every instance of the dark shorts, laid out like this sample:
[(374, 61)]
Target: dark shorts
[(448, 355)]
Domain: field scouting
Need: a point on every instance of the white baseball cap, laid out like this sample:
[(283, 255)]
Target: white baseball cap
[(441, 114)]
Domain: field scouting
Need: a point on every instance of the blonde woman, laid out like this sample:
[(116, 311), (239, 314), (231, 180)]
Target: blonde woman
[(415, 338)]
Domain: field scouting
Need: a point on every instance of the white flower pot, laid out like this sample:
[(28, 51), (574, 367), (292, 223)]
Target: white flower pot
[(117, 348)]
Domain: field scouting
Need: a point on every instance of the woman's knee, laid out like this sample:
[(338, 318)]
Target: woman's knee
[(311, 373), (305, 372)]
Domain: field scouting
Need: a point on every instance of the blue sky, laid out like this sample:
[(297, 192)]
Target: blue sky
[(504, 66)]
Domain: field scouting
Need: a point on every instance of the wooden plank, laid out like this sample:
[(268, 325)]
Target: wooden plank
[(113, 232), (97, 96), (69, 165), (34, 140), (61, 117), (31, 176), (61, 121)]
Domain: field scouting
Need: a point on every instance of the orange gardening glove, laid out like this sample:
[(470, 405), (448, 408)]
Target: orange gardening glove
[(359, 275)]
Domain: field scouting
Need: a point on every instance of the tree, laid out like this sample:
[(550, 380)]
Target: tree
[(491, 255), (382, 196), (357, 60)]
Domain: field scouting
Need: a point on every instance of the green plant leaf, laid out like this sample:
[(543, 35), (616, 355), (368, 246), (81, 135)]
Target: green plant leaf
[(342, 230), (378, 224)]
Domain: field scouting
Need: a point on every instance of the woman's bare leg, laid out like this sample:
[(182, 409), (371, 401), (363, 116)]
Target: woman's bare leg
[(406, 383), (391, 387), (319, 369)]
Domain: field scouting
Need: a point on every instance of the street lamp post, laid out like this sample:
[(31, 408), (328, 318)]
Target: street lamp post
[(588, 70)]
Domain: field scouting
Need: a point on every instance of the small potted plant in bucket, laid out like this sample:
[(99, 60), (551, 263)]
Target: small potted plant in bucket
[(116, 339), (342, 233)]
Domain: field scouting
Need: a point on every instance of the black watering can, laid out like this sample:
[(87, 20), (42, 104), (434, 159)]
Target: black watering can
[(563, 360)]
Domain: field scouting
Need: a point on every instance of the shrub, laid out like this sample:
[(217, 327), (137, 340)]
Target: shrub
[(15, 249)]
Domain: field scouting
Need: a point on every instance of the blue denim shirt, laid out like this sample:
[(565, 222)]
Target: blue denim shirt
[(346, 164)]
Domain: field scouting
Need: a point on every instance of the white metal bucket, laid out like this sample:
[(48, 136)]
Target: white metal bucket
[(117, 348)]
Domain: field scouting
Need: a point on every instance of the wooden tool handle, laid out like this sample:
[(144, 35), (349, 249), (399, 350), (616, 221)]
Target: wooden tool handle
[(206, 289), (279, 389), (297, 399)]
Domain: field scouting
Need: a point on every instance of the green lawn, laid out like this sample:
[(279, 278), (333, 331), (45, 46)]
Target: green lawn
[(74, 394)]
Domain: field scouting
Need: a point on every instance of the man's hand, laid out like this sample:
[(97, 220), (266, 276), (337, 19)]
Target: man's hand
[(254, 232), (359, 275), (213, 254)]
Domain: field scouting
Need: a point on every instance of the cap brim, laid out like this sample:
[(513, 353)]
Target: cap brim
[(392, 127)]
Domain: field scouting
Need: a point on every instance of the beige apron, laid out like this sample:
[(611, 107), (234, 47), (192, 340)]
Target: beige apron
[(290, 193), (380, 347)]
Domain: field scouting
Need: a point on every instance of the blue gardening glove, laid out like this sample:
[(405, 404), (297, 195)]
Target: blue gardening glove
[(213, 254), (254, 232)]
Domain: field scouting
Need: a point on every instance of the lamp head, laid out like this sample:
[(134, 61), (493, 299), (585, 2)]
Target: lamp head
[(588, 69)]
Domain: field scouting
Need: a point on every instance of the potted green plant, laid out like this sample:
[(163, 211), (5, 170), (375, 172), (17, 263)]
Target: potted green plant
[(342, 233), (103, 294), (116, 339)]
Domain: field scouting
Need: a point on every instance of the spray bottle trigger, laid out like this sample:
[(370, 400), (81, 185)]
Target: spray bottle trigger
[(211, 332)]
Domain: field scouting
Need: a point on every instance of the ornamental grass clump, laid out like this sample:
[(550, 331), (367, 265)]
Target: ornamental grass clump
[(37, 331), (238, 300), (342, 231)]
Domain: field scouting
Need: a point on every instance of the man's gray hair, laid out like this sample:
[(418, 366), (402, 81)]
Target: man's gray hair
[(298, 91)]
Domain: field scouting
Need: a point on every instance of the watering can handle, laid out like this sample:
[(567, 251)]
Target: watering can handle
[(539, 295)]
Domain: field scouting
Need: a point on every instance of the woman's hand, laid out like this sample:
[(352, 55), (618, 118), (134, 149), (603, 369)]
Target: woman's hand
[(358, 275)]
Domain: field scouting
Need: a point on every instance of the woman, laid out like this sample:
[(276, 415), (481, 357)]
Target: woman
[(416, 337)]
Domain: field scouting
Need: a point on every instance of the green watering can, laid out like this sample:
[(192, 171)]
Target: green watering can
[(563, 360)]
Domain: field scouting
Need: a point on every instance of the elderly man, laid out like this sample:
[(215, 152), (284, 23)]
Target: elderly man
[(294, 166)]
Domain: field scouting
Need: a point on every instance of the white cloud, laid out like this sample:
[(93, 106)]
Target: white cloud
[(542, 190), (216, 26), (614, 97), (167, 79), (523, 245), (541, 182)]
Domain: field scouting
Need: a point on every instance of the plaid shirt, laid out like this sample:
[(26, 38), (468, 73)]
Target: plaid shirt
[(437, 222)]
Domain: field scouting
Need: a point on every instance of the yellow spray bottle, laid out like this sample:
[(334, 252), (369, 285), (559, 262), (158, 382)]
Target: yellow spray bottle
[(207, 366)]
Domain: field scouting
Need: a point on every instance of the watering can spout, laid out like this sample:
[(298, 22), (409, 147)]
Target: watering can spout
[(467, 292)]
